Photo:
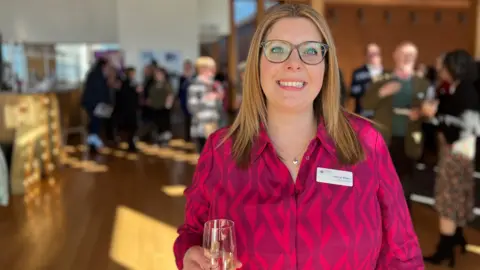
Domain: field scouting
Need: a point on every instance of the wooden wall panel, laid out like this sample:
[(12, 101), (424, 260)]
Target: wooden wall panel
[(351, 33), (433, 31)]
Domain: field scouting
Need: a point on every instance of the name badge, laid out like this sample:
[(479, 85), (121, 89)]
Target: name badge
[(335, 177)]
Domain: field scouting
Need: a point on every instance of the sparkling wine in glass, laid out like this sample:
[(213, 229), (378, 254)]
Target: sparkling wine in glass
[(219, 244)]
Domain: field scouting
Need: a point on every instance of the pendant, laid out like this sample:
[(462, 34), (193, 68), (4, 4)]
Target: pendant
[(295, 161)]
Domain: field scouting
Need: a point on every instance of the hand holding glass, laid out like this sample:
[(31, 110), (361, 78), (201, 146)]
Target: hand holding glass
[(219, 244)]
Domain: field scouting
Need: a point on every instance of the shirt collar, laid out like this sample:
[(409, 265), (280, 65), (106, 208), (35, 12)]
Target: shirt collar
[(262, 141)]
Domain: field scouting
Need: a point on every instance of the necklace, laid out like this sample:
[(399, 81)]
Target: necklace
[(295, 160)]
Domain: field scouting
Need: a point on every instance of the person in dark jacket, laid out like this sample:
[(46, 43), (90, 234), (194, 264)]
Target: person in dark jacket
[(458, 120), (148, 115), (128, 106), (363, 77), (95, 93), (184, 83)]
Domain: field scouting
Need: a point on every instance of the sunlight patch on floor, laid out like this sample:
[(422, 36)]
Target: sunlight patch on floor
[(140, 242), (190, 146), (81, 148), (85, 165), (174, 190), (105, 151), (180, 153), (177, 143), (123, 145), (473, 249), (69, 149), (180, 156), (119, 153), (132, 156)]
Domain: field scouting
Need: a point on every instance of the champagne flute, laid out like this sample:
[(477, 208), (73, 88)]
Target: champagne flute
[(219, 244)]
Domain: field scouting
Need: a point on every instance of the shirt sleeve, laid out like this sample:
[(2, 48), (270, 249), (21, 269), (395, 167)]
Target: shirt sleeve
[(400, 249), (197, 207)]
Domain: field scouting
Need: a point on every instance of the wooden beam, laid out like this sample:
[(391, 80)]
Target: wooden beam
[(318, 5), (410, 3), (260, 11), (294, 1), (475, 13), (397, 3), (232, 53), (215, 52)]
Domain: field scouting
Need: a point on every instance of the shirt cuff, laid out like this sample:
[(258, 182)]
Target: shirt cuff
[(183, 243)]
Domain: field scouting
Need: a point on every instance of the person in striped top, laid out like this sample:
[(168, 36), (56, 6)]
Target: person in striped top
[(203, 102)]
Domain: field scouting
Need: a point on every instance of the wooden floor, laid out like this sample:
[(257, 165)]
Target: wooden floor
[(119, 211)]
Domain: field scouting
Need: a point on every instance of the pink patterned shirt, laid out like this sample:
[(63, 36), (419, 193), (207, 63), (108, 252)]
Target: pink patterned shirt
[(307, 224)]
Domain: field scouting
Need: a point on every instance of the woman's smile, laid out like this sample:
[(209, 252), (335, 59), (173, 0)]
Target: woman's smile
[(292, 85)]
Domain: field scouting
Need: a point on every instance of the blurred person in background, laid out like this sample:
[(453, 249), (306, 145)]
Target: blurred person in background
[(438, 89), (395, 98), (97, 94), (128, 106), (184, 83), (221, 86), (114, 82), (160, 101), (362, 77), (203, 102), (239, 88), (147, 115), (458, 119), (421, 70)]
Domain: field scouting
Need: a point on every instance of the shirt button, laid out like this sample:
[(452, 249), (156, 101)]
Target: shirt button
[(308, 157)]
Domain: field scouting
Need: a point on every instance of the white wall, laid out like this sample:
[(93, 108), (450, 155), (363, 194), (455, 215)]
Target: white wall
[(60, 21), (214, 19), (158, 25)]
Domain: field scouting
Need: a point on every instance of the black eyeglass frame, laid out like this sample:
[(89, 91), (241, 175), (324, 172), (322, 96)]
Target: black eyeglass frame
[(294, 47)]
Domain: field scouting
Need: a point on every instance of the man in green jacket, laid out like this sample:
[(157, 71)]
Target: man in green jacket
[(395, 99)]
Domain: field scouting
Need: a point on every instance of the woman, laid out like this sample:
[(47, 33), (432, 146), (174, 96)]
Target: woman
[(273, 172), (458, 122), (160, 101)]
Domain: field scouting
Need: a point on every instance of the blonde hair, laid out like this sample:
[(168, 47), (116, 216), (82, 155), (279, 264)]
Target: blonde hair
[(205, 62), (253, 110)]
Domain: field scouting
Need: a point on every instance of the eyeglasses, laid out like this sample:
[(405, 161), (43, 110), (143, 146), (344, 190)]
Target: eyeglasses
[(310, 52)]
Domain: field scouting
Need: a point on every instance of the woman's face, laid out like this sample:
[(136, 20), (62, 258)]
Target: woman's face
[(292, 85)]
